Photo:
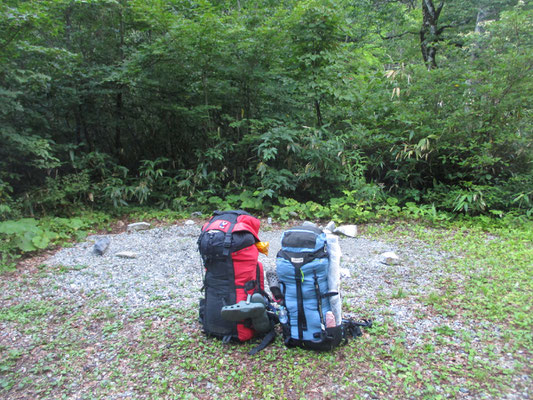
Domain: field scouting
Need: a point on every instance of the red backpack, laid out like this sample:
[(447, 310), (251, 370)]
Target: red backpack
[(232, 271)]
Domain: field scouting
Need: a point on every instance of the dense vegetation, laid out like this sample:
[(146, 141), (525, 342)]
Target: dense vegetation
[(369, 110), (179, 102)]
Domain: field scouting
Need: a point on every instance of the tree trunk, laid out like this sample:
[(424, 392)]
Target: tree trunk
[(119, 104), (318, 113), (429, 33), (86, 133)]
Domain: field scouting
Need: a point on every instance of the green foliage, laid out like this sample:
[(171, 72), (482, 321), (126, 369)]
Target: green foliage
[(27, 235), (167, 104), (23, 235)]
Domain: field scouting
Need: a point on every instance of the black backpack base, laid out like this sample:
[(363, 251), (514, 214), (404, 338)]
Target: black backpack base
[(330, 339)]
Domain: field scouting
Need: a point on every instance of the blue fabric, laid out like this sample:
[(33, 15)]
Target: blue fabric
[(286, 275)]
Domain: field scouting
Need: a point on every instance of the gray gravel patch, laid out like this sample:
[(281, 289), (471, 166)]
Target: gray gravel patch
[(167, 271)]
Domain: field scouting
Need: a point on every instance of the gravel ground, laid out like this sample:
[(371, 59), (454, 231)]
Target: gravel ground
[(167, 270)]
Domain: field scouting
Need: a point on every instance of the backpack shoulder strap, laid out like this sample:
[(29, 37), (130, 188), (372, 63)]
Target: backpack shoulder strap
[(269, 338), (352, 328)]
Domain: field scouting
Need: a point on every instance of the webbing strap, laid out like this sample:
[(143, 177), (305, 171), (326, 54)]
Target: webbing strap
[(227, 239), (319, 302), (302, 321), (269, 338), (226, 339)]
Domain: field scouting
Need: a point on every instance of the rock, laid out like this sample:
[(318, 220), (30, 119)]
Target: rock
[(347, 230), (389, 258), (293, 214), (330, 227), (308, 223), (463, 390), (269, 220), (101, 245), (189, 222), (196, 214), (126, 254), (138, 226)]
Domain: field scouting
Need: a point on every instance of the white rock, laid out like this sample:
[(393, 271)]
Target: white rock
[(189, 222), (138, 226), (345, 273), (126, 254), (269, 220), (389, 258), (330, 227), (347, 230)]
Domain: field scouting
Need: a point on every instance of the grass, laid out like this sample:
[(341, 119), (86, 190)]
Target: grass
[(54, 349)]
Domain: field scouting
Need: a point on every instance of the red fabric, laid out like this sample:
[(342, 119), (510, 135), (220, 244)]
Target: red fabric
[(219, 224), (244, 223), (244, 261), (245, 267), (248, 223)]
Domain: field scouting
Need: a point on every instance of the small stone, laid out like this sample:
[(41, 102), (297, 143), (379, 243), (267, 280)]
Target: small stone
[(196, 214), (126, 254), (138, 226), (189, 222), (347, 230), (390, 258), (269, 220), (101, 245), (345, 273), (463, 390), (293, 214), (309, 223)]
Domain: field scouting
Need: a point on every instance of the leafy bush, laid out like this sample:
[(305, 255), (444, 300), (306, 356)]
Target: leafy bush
[(26, 235)]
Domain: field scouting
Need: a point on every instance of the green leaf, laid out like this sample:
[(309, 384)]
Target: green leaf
[(40, 241)]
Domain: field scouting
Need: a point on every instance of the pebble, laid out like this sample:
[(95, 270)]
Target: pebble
[(126, 254), (389, 258)]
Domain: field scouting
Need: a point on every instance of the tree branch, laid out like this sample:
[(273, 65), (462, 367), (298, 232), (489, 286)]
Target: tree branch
[(13, 36), (439, 9), (388, 37)]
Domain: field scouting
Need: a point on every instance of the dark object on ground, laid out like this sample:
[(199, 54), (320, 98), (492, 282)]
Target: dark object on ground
[(101, 245)]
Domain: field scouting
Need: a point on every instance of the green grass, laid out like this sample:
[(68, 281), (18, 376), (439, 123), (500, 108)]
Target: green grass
[(56, 349)]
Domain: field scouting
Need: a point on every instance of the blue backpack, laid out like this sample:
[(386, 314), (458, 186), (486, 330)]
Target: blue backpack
[(302, 267)]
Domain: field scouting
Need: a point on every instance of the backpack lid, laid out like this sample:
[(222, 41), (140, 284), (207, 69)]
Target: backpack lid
[(223, 220), (303, 238)]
